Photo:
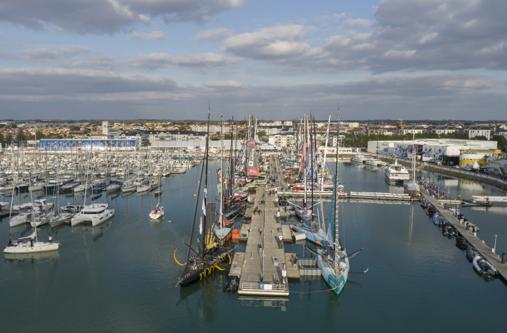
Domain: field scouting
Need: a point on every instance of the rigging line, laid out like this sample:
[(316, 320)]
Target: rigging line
[(196, 205)]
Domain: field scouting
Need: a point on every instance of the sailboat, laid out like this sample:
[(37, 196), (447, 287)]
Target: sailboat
[(95, 213), (30, 244), (333, 261), (305, 211), (204, 258), (158, 212), (316, 231)]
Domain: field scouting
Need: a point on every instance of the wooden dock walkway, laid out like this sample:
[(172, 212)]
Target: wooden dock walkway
[(264, 271), (327, 195), (477, 243)]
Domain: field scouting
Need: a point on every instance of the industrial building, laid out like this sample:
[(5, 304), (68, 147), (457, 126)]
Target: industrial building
[(444, 151), (89, 144)]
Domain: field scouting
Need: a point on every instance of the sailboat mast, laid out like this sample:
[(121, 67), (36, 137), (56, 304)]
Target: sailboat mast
[(305, 146), (205, 198), (231, 165), (413, 156), (337, 245), (312, 140), (221, 211), (325, 154)]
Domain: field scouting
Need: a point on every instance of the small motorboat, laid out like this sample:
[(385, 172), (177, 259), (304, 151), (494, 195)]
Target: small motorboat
[(113, 187), (437, 219), (157, 213), (461, 242), (470, 253), (484, 267), (448, 231)]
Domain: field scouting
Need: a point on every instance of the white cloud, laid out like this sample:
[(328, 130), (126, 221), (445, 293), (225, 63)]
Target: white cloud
[(397, 54), (276, 42), (224, 84), (50, 53), (357, 23), (154, 35), (161, 59), (426, 38)]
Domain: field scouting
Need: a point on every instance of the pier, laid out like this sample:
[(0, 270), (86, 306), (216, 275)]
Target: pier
[(327, 195), (263, 270), (474, 241)]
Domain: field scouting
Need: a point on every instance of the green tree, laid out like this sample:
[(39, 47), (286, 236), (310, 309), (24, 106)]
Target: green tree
[(39, 135), (263, 136), (2, 139), (8, 139), (502, 142)]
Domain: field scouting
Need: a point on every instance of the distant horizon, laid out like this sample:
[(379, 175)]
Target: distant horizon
[(216, 119)]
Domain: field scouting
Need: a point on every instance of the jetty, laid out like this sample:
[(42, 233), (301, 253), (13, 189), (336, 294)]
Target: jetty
[(327, 195), (263, 271), (478, 244)]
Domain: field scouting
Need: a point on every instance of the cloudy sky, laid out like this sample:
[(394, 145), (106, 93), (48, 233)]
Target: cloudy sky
[(110, 59)]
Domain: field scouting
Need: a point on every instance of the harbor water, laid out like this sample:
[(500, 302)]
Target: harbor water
[(120, 276)]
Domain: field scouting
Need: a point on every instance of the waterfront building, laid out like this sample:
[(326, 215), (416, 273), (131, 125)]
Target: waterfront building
[(89, 144), (479, 132), (445, 151)]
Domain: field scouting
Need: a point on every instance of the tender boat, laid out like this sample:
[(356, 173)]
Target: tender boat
[(484, 267), (358, 159), (157, 213), (95, 213)]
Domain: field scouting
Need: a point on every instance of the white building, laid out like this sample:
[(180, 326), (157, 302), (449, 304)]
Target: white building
[(444, 131), (414, 130), (282, 141), (105, 128), (431, 150), (479, 132), (203, 127)]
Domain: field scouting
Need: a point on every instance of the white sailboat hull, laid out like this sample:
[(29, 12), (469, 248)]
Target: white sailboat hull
[(157, 214), (35, 247), (94, 219), (19, 220)]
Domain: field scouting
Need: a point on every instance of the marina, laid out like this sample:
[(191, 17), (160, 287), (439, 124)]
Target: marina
[(91, 254), (209, 166), (471, 237)]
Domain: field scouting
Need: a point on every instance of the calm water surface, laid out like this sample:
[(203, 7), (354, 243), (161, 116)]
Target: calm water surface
[(120, 277)]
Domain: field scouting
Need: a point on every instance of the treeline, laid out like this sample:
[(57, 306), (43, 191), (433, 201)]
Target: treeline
[(21, 137)]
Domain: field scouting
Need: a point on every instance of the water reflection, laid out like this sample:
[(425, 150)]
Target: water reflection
[(97, 232), (265, 302), (52, 255)]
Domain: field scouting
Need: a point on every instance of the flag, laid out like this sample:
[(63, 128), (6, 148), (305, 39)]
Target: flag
[(204, 207)]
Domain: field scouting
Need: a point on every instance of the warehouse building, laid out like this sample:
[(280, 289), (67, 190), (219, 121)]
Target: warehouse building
[(444, 151)]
